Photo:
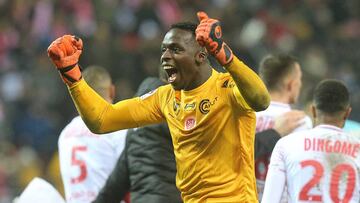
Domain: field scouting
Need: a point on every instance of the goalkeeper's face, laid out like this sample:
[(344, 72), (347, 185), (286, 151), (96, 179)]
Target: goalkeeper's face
[(179, 53)]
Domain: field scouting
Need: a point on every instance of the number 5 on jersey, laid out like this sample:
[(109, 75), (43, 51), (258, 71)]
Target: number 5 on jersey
[(78, 163)]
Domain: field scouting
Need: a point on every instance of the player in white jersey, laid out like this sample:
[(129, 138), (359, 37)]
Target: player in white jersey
[(282, 76), (320, 164), (87, 159)]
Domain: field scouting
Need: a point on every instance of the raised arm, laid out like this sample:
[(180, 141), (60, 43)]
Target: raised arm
[(251, 87), (99, 115)]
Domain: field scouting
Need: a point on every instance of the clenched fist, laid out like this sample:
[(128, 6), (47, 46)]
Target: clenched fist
[(209, 34), (64, 53)]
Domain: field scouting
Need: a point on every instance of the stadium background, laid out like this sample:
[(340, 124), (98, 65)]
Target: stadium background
[(125, 36)]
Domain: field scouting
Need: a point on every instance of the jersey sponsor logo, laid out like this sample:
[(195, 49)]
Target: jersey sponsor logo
[(218, 32), (228, 84), (225, 84), (148, 94), (190, 107), (190, 123), (206, 104), (177, 102), (176, 107)]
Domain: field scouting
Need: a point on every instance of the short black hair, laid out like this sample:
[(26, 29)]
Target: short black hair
[(188, 26), (331, 96), (274, 68)]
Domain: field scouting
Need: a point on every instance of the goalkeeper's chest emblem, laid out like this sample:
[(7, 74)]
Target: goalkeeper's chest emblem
[(190, 123)]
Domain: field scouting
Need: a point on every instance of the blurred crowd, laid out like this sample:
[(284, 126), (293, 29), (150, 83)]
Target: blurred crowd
[(124, 36)]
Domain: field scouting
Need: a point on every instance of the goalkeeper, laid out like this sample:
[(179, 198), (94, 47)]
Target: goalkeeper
[(210, 114)]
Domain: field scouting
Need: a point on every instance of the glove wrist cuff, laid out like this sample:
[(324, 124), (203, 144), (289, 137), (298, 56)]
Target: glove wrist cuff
[(70, 74), (225, 55)]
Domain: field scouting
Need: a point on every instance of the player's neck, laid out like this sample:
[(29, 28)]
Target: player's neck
[(204, 74), (329, 120), (280, 97)]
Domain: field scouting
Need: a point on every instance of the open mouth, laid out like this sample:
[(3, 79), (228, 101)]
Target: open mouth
[(171, 72)]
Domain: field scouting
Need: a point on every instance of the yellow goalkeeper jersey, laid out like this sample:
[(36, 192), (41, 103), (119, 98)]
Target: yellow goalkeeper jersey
[(212, 129)]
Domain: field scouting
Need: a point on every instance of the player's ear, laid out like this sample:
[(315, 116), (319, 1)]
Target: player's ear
[(347, 113), (112, 92), (313, 111), (290, 85), (201, 56)]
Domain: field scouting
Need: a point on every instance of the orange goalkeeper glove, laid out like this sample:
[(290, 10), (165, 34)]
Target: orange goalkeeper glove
[(64, 53), (208, 34)]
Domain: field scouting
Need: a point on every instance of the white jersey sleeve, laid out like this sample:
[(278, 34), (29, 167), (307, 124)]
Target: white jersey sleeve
[(276, 177), (87, 159), (118, 139)]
